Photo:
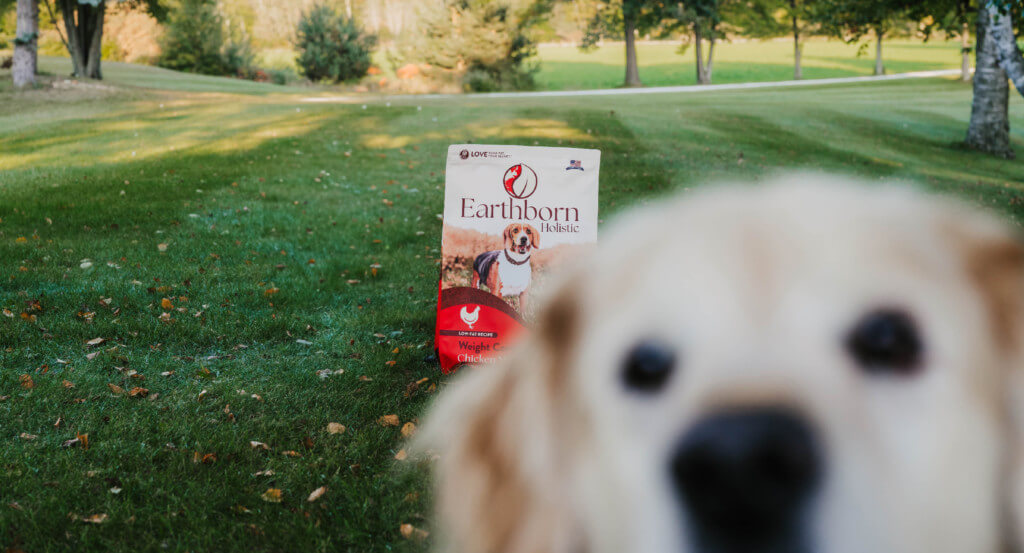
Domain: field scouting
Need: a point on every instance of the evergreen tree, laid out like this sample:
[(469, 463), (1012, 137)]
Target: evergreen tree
[(484, 44)]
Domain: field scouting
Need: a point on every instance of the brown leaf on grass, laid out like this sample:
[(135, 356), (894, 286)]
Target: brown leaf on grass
[(388, 420), (71, 443), (92, 355), (291, 453), (335, 428), (401, 455), (307, 442), (83, 439), (8, 313), (138, 392), (26, 381), (166, 304), (95, 341), (27, 436), (98, 518), (67, 384), (408, 430), (202, 394), (317, 494), (272, 495), (58, 422), (161, 247), (115, 388), (410, 532), (258, 445), (271, 291)]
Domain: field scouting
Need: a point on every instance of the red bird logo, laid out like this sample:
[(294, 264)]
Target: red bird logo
[(510, 178)]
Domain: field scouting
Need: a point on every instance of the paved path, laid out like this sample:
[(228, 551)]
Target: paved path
[(650, 90)]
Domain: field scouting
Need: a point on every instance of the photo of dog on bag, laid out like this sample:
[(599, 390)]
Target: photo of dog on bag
[(508, 272)]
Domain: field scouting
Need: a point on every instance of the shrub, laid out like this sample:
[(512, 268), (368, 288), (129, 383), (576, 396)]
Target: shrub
[(485, 44), (195, 41), (331, 46)]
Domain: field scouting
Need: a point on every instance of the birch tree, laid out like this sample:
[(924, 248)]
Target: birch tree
[(26, 41), (998, 57)]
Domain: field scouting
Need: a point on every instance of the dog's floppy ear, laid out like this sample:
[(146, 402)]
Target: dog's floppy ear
[(506, 236), (534, 236), (994, 258), (500, 446)]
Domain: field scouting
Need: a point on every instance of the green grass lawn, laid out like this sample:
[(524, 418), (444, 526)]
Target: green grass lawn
[(565, 67), (264, 267)]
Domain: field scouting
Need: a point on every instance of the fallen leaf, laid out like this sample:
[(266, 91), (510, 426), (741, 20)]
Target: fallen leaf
[(67, 384), (27, 436), (316, 494), (335, 428), (258, 445), (90, 356), (26, 381), (8, 313), (96, 341), (83, 439), (71, 443), (267, 472), (166, 304), (161, 247), (138, 392), (291, 453), (388, 420), (272, 495), (410, 532), (202, 394), (271, 291), (408, 429), (99, 518), (401, 455), (115, 388)]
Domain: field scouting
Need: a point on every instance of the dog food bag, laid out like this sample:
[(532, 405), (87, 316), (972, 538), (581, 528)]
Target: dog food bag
[(511, 215)]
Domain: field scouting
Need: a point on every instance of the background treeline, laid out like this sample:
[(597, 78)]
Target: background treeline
[(478, 45)]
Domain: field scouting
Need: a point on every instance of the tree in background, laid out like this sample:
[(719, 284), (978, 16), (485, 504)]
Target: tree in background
[(626, 19), (195, 40), (854, 19), (331, 46), (953, 18), (997, 57), (483, 44), (26, 41), (775, 18), (83, 22)]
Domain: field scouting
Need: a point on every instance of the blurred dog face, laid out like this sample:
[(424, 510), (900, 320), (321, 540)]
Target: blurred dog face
[(520, 238), (798, 367)]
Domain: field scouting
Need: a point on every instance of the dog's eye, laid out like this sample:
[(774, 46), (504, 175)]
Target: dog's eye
[(886, 341), (648, 366)]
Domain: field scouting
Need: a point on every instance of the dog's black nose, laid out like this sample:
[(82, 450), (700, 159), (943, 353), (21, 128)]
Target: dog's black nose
[(744, 476), (522, 240)]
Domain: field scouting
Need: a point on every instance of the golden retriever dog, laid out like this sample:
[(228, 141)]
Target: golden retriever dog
[(804, 366)]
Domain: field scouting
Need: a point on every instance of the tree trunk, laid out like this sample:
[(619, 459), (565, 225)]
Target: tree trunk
[(1004, 42), (95, 35), (26, 40), (965, 52), (798, 51), (709, 66), (989, 130), (879, 66), (698, 50), (632, 70), (84, 25)]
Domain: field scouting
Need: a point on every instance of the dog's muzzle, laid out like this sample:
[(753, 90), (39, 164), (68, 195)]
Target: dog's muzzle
[(745, 477)]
